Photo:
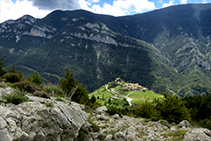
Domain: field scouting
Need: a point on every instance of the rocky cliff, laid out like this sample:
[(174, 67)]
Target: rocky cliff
[(43, 119)]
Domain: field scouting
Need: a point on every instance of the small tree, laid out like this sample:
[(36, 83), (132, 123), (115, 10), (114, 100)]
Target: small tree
[(93, 99), (172, 108), (2, 70), (68, 83), (12, 70), (73, 89), (35, 78), (13, 76)]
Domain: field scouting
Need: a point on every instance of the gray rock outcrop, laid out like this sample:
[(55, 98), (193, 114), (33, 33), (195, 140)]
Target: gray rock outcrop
[(198, 134), (48, 119), (42, 119)]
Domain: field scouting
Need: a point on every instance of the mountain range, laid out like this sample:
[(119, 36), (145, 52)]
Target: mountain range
[(164, 50)]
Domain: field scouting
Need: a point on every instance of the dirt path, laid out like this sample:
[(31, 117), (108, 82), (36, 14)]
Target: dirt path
[(127, 98)]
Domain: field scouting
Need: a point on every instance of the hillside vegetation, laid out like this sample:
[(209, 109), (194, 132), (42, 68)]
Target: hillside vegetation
[(169, 107), (122, 94), (166, 50)]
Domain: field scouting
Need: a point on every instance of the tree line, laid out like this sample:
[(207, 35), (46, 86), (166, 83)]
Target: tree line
[(196, 109), (70, 87)]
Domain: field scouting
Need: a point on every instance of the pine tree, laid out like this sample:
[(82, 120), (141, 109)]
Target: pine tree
[(73, 89), (2, 70), (35, 78)]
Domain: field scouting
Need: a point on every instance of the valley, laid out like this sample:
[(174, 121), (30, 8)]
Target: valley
[(165, 50)]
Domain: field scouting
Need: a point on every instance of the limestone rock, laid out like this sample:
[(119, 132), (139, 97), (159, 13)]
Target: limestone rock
[(101, 109), (37, 121), (4, 135), (184, 124), (197, 134), (119, 136), (108, 137)]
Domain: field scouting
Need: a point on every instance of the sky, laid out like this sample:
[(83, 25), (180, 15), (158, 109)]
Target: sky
[(14, 9)]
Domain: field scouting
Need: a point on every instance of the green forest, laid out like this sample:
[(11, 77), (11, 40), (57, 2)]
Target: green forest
[(195, 109)]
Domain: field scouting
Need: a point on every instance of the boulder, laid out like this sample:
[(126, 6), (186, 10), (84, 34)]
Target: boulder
[(184, 124), (39, 121), (198, 134), (108, 137), (102, 117), (101, 109), (118, 136)]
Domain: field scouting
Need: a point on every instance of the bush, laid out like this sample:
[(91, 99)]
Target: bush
[(147, 110), (73, 89), (54, 90), (93, 99), (112, 110), (41, 94), (94, 126), (59, 99), (15, 97), (205, 123), (68, 83), (13, 77), (35, 78), (27, 86), (112, 84), (172, 108), (2, 70)]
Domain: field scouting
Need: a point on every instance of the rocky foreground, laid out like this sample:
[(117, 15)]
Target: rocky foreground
[(51, 119)]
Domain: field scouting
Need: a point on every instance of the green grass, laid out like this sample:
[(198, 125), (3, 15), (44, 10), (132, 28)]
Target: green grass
[(101, 94), (140, 97), (208, 54), (177, 135), (16, 97), (124, 92)]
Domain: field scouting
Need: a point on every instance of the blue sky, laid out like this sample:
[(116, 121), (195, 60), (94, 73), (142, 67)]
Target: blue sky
[(13, 9)]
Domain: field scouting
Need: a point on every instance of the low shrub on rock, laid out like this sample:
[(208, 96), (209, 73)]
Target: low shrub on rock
[(15, 97), (41, 94), (27, 86)]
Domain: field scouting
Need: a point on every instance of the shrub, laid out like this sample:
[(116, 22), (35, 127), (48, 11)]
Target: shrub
[(147, 110), (15, 97), (13, 77), (205, 123), (54, 90), (93, 99), (73, 89), (68, 83), (41, 94), (172, 108), (59, 99), (2, 70), (94, 126), (113, 110), (35, 78), (27, 86), (112, 84)]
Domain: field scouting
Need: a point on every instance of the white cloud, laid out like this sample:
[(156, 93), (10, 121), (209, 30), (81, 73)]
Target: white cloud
[(124, 7), (168, 4), (204, 1), (183, 1), (94, 0), (10, 10)]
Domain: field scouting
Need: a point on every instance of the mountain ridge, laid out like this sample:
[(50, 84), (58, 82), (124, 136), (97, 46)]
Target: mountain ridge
[(164, 50)]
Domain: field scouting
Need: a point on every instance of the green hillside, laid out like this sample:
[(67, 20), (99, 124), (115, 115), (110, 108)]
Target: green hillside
[(120, 94), (166, 50)]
